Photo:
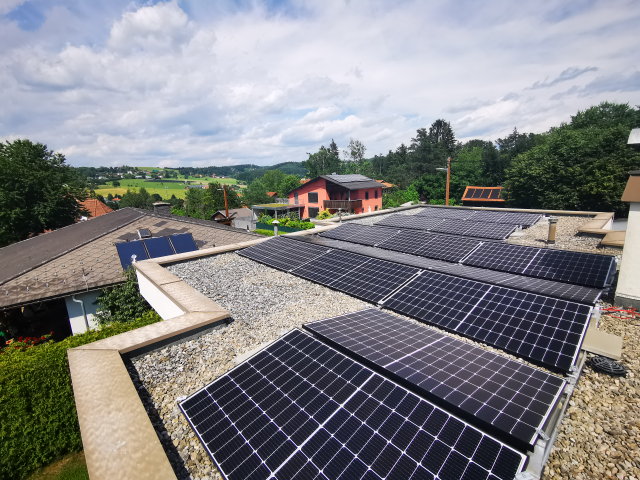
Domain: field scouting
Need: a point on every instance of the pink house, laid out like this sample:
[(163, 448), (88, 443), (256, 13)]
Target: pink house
[(354, 193)]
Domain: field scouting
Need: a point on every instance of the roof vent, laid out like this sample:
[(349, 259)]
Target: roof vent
[(144, 233), (334, 173)]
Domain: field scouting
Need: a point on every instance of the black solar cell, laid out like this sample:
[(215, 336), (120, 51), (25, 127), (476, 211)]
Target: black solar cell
[(408, 241), (183, 242), (282, 253), (413, 222), (372, 235), (459, 376), (300, 409), (451, 249), (344, 231), (461, 214)]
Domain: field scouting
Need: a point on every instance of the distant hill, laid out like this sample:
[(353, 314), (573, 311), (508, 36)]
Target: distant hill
[(290, 168)]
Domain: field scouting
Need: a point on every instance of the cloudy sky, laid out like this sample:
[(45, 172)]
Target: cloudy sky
[(198, 83)]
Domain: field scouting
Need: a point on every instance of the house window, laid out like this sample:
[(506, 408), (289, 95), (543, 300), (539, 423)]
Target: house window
[(313, 212), (313, 197), (376, 193), (295, 196), (366, 195)]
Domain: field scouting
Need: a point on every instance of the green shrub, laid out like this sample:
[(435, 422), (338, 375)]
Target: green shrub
[(38, 420), (123, 302), (262, 231), (323, 215)]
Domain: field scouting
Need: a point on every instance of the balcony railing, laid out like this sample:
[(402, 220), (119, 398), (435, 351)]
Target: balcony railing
[(344, 204)]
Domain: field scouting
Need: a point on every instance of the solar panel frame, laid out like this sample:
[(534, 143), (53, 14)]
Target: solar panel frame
[(546, 331), (282, 253), (372, 235), (408, 241), (450, 249), (496, 231), (301, 409), (449, 372), (158, 247), (183, 242), (128, 249)]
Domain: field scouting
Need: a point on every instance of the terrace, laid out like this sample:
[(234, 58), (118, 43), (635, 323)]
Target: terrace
[(222, 307)]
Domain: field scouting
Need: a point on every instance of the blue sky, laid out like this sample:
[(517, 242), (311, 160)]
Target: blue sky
[(220, 83)]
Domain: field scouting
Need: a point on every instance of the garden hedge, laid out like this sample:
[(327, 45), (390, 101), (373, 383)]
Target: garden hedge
[(38, 420)]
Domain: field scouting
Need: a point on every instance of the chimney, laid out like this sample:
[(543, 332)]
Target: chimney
[(162, 208)]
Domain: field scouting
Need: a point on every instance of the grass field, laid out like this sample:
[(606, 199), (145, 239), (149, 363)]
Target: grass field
[(176, 189)]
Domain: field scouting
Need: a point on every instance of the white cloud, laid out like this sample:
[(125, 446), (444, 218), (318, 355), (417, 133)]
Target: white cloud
[(216, 83)]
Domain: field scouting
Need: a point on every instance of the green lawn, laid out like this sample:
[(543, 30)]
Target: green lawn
[(69, 467), (172, 188)]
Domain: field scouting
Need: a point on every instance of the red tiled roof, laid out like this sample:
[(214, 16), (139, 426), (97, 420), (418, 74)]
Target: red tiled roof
[(385, 184), (305, 180), (272, 194), (95, 207)]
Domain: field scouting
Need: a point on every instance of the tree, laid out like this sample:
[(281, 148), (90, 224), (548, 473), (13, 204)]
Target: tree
[(142, 199), (255, 194), (155, 197), (115, 183), (321, 163), (37, 191), (441, 133), (217, 197), (109, 197), (333, 149), (272, 179), (583, 165), (122, 303), (354, 156), (288, 183)]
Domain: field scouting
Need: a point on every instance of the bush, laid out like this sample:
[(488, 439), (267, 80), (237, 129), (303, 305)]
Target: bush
[(123, 302), (323, 215), (38, 420), (262, 231)]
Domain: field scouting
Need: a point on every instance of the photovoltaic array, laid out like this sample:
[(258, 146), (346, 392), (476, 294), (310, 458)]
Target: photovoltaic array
[(357, 275), (413, 222), (575, 293), (545, 330), (494, 231), (362, 234), (301, 410), (558, 265), (495, 392), (154, 247), (158, 247), (281, 253), (127, 249), (512, 218)]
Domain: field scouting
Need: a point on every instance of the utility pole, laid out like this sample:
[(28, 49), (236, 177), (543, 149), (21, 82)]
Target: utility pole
[(226, 206), (446, 202)]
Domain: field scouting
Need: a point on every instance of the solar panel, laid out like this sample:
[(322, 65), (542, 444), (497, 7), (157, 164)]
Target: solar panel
[(282, 253), (447, 213), (513, 218), (545, 330), (158, 247), (407, 241), (301, 410), (183, 243), (573, 267), (496, 392), (502, 256), (127, 249), (474, 229), (574, 293), (372, 235), (357, 275), (344, 231), (409, 221), (450, 249)]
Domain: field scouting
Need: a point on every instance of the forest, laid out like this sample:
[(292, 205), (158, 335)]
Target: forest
[(582, 164)]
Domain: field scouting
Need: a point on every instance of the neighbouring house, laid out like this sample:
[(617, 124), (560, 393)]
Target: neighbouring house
[(51, 281), (273, 194), (241, 217), (96, 207), (352, 193), (483, 197)]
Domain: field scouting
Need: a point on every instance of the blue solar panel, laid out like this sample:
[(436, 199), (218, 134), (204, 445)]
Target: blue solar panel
[(126, 250), (158, 247), (183, 242)]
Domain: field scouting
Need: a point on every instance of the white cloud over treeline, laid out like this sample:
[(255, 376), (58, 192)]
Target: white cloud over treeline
[(218, 83)]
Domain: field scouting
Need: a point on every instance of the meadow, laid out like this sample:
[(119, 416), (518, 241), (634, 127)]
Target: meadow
[(172, 188)]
